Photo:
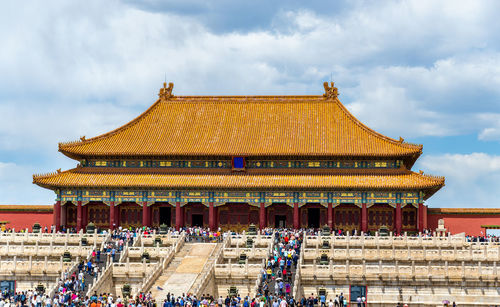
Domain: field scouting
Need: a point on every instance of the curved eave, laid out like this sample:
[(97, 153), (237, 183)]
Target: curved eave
[(79, 178)]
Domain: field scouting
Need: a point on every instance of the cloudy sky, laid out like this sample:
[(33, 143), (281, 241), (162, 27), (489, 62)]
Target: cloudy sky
[(428, 71)]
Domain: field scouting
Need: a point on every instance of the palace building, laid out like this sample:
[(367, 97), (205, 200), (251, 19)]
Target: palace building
[(230, 161)]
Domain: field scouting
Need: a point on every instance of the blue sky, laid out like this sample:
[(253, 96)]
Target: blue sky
[(428, 71)]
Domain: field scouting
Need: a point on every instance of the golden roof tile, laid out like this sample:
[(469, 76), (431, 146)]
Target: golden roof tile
[(82, 178), (243, 125)]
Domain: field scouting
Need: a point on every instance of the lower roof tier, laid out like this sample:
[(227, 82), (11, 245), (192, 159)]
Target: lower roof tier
[(80, 178)]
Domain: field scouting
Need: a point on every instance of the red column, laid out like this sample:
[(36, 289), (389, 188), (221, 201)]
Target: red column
[(57, 215), (117, 216), (425, 216), (364, 218), (145, 214), (85, 216), (398, 221), (333, 218), (78, 215), (64, 215), (420, 217), (112, 217), (296, 221), (182, 216), (330, 215), (262, 216), (211, 216), (178, 216)]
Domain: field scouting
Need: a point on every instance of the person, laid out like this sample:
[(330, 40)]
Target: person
[(358, 300), (322, 299), (336, 301)]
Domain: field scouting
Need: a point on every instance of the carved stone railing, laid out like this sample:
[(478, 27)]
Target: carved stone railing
[(101, 278), (402, 271), (389, 241), (151, 278), (258, 240), (231, 270), (209, 271), (50, 238), (487, 253)]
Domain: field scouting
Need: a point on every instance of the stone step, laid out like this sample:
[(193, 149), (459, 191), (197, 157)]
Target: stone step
[(183, 271)]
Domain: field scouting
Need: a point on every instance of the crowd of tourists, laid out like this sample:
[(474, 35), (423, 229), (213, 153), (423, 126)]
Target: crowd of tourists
[(277, 275), (275, 289)]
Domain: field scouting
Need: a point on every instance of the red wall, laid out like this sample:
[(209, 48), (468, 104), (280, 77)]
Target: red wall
[(468, 223), (23, 220)]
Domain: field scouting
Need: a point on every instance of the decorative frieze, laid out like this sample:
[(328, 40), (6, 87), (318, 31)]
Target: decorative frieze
[(250, 164), (253, 198)]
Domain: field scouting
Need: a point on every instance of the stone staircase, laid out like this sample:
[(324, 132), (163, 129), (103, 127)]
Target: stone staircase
[(203, 278), (183, 270)]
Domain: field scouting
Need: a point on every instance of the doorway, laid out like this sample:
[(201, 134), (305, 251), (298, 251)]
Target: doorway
[(313, 217), (165, 216), (280, 221), (197, 220)]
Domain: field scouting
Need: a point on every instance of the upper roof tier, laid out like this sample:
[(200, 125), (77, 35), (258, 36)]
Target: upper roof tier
[(246, 126)]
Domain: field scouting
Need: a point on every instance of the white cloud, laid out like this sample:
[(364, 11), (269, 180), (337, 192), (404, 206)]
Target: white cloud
[(413, 68), (492, 131), (471, 179)]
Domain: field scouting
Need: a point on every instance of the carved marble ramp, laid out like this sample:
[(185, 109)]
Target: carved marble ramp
[(183, 270)]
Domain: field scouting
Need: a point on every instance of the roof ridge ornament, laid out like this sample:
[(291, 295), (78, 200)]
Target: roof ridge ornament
[(331, 92), (166, 92)]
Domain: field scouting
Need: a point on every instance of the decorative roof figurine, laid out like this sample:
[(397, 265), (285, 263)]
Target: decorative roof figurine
[(331, 92), (166, 92)]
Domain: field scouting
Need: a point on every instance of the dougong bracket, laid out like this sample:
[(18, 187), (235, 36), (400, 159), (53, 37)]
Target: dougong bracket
[(331, 92)]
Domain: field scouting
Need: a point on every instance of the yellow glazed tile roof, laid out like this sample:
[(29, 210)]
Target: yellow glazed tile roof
[(80, 177), (243, 125)]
